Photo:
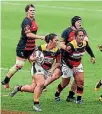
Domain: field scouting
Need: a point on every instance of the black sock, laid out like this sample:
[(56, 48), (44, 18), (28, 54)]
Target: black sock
[(60, 88), (44, 87), (79, 98), (36, 102), (6, 80), (19, 89), (57, 94), (71, 94)]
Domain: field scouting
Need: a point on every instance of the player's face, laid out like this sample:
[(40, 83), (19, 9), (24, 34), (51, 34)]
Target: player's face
[(31, 12), (55, 41), (78, 24), (80, 37)]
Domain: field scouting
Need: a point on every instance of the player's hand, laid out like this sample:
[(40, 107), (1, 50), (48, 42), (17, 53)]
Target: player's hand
[(93, 60), (100, 47), (43, 38)]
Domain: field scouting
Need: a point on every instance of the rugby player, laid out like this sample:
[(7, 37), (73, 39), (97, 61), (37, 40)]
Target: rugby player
[(43, 71), (99, 84), (72, 66), (26, 44), (67, 36)]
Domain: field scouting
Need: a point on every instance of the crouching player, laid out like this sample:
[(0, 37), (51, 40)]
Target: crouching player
[(46, 70), (99, 84)]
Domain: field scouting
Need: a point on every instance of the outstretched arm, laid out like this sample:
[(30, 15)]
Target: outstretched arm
[(90, 52)]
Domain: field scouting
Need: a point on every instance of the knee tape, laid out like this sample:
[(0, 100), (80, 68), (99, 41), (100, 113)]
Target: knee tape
[(19, 64)]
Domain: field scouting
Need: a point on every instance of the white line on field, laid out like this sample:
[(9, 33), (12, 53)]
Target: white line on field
[(6, 69), (58, 7)]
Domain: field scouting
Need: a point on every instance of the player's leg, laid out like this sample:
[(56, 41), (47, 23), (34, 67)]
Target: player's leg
[(100, 98), (52, 78), (71, 93), (79, 77), (25, 88), (39, 78), (61, 86), (66, 74), (98, 85), (19, 64)]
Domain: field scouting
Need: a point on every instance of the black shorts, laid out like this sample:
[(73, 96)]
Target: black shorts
[(24, 53)]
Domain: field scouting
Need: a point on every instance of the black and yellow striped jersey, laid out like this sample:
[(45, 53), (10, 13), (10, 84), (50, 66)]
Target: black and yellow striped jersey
[(49, 56)]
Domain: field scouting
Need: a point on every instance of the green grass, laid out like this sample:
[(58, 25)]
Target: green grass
[(51, 20)]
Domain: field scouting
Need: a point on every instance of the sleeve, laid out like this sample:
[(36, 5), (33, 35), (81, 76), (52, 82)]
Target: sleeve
[(71, 45), (64, 35), (89, 50), (26, 24)]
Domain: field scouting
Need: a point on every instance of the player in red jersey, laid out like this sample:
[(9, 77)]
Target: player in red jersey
[(26, 44)]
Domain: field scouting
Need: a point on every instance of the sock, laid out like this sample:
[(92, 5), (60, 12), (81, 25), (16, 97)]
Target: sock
[(79, 98), (36, 102), (57, 94), (79, 92), (19, 89), (59, 89), (71, 94), (6, 80), (44, 87)]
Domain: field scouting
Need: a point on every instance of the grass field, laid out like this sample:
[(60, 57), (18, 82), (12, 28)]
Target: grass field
[(51, 17)]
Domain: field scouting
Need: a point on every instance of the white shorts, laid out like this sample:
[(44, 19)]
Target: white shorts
[(67, 72), (37, 69)]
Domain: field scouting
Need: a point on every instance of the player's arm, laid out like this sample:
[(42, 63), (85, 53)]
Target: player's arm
[(90, 52), (64, 39), (67, 47), (57, 61), (26, 27), (62, 44)]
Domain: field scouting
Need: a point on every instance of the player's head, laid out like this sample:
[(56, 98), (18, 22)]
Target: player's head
[(76, 22), (79, 35), (30, 10), (51, 39)]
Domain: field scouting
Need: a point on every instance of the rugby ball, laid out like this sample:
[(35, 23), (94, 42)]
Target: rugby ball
[(39, 56)]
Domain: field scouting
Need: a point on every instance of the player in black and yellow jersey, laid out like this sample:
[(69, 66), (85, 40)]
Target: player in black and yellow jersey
[(43, 72), (67, 36), (26, 44), (71, 64)]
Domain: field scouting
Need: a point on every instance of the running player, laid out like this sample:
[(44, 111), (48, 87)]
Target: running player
[(43, 71), (26, 44)]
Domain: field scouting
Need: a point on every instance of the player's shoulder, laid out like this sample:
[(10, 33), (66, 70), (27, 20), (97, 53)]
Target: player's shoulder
[(43, 46), (26, 20), (68, 29)]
